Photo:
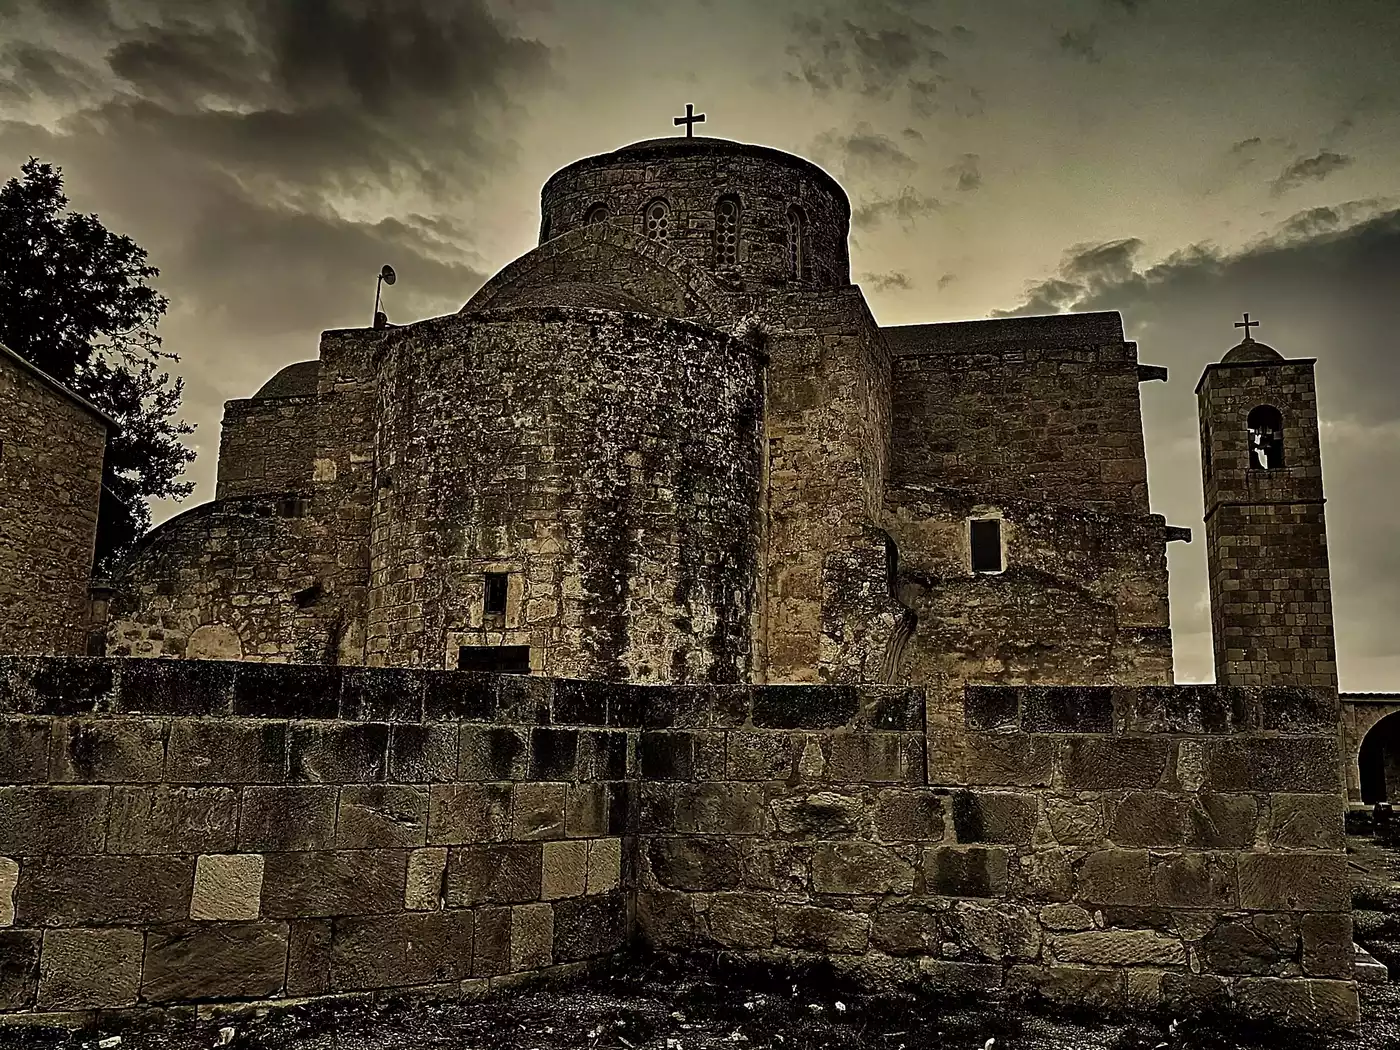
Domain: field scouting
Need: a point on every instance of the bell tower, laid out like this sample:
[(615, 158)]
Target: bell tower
[(1266, 538)]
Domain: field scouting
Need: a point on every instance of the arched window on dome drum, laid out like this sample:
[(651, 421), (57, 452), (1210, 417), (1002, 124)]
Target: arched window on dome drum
[(596, 214), (1265, 425), (727, 231), (796, 243), (656, 221)]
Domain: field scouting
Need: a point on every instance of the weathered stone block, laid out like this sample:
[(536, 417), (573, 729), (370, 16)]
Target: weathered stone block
[(1294, 882), (1300, 764), (1191, 709), (59, 685), (986, 816), (90, 891), (586, 809), (1118, 948), (1148, 818), (24, 750), (694, 863), (906, 816), (989, 708), (53, 820), (1248, 945), (993, 930), (309, 957), (905, 931), (287, 818), (176, 687), (818, 814), (604, 865), (1069, 917), (1082, 986), (328, 883), (1008, 761), (1293, 710), (227, 961), (9, 879), (423, 754), (462, 814), (603, 756), (207, 751), (896, 708), (588, 927), (1222, 821), (667, 756), (355, 753), (821, 929), (539, 811), (1066, 709), (1194, 880), (531, 937), (1113, 876), (423, 889), (961, 977), (227, 886), (1326, 1004), (505, 873), (553, 754), (287, 691), (860, 868), (1103, 764), (459, 696), (667, 919), (804, 706), (493, 753), (90, 969), (564, 869), (491, 956), (741, 920), (1306, 822), (760, 756), (400, 951), (875, 758), (172, 820), (19, 968), (1327, 945), (88, 750), (1076, 823), (382, 816), (381, 694), (580, 703), (965, 871)]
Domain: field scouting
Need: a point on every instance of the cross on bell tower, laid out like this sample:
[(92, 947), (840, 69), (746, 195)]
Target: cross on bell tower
[(1247, 324), (690, 119)]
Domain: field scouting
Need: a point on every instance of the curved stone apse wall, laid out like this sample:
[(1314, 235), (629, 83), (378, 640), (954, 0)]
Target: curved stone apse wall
[(606, 464)]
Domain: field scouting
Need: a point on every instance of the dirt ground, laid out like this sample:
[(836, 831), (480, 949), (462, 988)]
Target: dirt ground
[(659, 1005)]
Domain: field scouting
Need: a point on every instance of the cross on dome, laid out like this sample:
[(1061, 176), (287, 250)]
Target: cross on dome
[(690, 119), (1247, 324)]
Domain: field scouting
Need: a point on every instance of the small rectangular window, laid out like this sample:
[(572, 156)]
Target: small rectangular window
[(495, 592), (986, 544), (504, 659)]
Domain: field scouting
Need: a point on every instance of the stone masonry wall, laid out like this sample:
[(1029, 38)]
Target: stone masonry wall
[(267, 445), (51, 451), (1062, 425), (179, 831)]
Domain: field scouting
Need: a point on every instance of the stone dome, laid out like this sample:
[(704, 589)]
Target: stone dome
[(1251, 350), (574, 293), (296, 380)]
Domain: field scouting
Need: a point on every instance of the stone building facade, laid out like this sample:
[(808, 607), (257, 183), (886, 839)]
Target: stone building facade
[(52, 443)]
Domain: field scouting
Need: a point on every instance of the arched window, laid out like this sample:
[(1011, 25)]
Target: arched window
[(1265, 425), (796, 243), (727, 231), (657, 221), (596, 214)]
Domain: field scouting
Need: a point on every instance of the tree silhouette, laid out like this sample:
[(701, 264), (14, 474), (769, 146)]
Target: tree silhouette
[(74, 302)]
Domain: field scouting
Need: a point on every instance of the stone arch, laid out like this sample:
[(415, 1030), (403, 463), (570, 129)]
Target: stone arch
[(214, 641), (1373, 738), (606, 253)]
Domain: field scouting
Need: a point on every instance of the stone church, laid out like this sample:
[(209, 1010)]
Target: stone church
[(671, 444)]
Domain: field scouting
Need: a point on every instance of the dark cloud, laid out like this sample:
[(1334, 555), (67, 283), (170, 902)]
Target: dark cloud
[(863, 151), (890, 280), (1323, 285), (966, 172), (1309, 169), (1081, 43), (906, 207), (946, 280)]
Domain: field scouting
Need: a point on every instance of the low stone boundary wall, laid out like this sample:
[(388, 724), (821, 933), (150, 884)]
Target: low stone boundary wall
[(191, 831)]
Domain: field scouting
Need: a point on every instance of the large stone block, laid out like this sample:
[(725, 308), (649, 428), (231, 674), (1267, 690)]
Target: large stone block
[(604, 865), (19, 968), (1008, 761), (1306, 822), (327, 883), (986, 816), (667, 920), (462, 814), (908, 816), (309, 957), (227, 887), (1327, 945), (238, 751), (24, 750), (226, 961), (817, 814), (1297, 764), (860, 868), (741, 920), (564, 869), (553, 753), (51, 820), (586, 809), (1194, 880), (992, 930), (1066, 709), (116, 750), (580, 703), (876, 758), (1258, 945), (338, 753), (1076, 823), (459, 696), (1325, 1004), (493, 753), (287, 691), (589, 927), (539, 811), (287, 817), (695, 864), (604, 756), (1222, 821), (760, 756), (423, 890), (385, 816), (1081, 986), (898, 708), (804, 706), (1149, 818), (58, 685), (1192, 709), (1103, 764), (9, 879), (1293, 710), (491, 957), (667, 755), (990, 708), (965, 871), (821, 929), (1114, 876), (531, 937), (423, 754), (401, 950), (90, 891), (905, 930), (177, 687), (1118, 948), (1294, 882), (507, 873), (166, 819), (90, 969), (381, 694)]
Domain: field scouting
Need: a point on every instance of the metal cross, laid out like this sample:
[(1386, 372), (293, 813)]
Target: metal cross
[(1247, 324), (690, 119)]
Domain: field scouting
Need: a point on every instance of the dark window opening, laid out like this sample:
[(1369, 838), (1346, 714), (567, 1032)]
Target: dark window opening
[(505, 659), (1265, 425), (727, 232), (596, 214), (986, 544), (796, 246), (165, 587), (657, 222), (1205, 448), (307, 596), (495, 593), (291, 507)]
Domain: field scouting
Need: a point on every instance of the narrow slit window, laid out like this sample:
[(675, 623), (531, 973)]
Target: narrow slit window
[(796, 246), (986, 544), (495, 593), (502, 659), (727, 231)]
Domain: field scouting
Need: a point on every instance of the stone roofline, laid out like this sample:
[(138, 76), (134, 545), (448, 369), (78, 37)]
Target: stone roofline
[(1006, 333), (676, 146), (1252, 364), (200, 510), (38, 373), (910, 493)]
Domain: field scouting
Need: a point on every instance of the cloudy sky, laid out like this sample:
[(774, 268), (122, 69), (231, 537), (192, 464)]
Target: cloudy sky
[(1178, 160)]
